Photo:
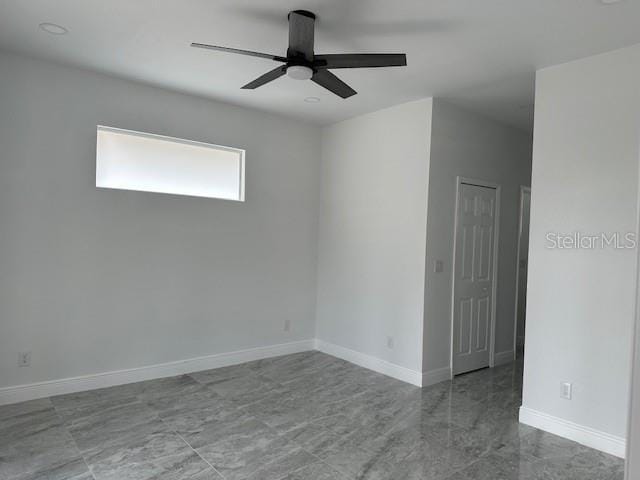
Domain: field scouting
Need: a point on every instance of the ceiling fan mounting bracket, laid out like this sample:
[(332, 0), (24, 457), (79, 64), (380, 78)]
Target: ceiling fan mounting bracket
[(304, 13), (301, 62)]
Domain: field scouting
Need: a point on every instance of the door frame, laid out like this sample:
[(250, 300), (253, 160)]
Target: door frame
[(523, 189), (460, 180), (632, 457)]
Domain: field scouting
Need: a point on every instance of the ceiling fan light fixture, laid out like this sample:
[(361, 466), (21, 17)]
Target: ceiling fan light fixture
[(299, 72)]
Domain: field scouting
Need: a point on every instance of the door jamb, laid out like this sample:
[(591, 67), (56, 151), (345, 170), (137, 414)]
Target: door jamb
[(496, 240), (632, 457), (523, 190)]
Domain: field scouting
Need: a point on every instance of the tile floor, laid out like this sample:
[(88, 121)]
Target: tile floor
[(306, 416)]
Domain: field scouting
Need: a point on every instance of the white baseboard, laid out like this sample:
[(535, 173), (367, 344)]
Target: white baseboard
[(503, 358), (438, 375), (21, 393), (32, 391), (590, 437), (372, 363)]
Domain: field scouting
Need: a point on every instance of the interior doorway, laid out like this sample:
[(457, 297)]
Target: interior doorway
[(475, 275), (522, 271)]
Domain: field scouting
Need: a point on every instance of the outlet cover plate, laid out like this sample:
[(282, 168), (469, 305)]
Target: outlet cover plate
[(24, 359)]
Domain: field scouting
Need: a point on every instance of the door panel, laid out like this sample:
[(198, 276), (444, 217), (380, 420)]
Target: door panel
[(482, 324), (465, 323), (467, 251), (473, 290)]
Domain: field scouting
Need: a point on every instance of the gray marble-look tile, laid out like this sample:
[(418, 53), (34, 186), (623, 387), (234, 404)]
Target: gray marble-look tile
[(110, 425), (202, 427), (36, 450), (500, 467), (253, 450), (348, 457), (24, 408), (209, 474), (312, 436), (136, 448), (276, 466), (487, 468), (303, 416), (291, 367), (83, 404), (315, 471), (323, 387), (542, 456), (182, 465), (244, 390), (217, 375), (28, 426), (546, 446), (192, 398), (164, 387), (149, 451), (71, 469), (564, 469), (424, 462)]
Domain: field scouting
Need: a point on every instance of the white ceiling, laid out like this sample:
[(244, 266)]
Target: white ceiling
[(481, 54)]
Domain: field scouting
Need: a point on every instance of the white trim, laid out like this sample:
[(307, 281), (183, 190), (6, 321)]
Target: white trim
[(496, 240), (523, 190), (632, 466), (590, 437), (21, 393), (372, 363), (503, 358), (436, 376)]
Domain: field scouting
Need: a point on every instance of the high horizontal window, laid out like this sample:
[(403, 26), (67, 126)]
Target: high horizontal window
[(128, 160)]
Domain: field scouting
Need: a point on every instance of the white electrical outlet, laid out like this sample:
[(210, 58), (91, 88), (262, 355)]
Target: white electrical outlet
[(287, 325), (24, 359), (566, 390), (390, 342)]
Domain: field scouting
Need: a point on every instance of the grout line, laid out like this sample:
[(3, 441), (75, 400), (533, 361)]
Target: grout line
[(182, 438), (198, 454), (157, 415), (73, 439), (344, 474), (243, 408), (88, 467)]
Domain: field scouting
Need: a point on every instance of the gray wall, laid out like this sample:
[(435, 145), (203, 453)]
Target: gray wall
[(373, 212), (580, 309), (96, 280), (469, 145)]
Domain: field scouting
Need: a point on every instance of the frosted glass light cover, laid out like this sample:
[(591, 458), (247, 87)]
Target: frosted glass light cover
[(129, 160)]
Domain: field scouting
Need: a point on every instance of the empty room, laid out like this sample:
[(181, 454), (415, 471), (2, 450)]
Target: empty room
[(319, 240)]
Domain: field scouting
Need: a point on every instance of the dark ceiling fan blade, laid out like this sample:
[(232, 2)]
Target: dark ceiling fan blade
[(266, 78), (360, 60), (238, 51), (328, 80), (301, 26)]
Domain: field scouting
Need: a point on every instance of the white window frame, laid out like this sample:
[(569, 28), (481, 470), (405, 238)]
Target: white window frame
[(240, 152)]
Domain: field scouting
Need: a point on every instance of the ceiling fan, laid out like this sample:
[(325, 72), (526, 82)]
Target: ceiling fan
[(302, 63)]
